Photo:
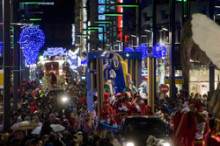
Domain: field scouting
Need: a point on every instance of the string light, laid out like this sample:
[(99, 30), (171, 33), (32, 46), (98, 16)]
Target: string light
[(159, 50), (142, 48)]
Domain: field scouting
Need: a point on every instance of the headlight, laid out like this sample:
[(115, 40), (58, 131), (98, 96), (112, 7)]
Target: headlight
[(166, 144), (64, 99), (129, 144)]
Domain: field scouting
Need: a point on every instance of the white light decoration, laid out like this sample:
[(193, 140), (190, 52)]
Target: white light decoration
[(57, 51), (73, 60), (73, 35)]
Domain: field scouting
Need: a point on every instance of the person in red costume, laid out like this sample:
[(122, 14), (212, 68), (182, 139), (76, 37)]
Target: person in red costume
[(107, 113), (33, 106), (122, 107), (106, 96), (148, 110), (137, 106), (190, 129)]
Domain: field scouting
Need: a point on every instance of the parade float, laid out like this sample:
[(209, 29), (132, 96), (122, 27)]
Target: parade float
[(111, 72)]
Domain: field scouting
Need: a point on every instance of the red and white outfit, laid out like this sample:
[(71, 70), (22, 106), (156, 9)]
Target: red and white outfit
[(107, 113)]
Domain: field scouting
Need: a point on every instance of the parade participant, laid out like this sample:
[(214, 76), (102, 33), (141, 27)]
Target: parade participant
[(122, 107), (107, 113), (53, 80), (202, 130), (131, 89), (106, 96), (137, 106), (142, 90), (191, 127), (33, 106), (148, 110)]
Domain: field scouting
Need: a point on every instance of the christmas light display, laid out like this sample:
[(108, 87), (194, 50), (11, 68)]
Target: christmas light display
[(56, 51), (84, 62), (128, 49), (142, 48), (159, 50), (31, 40)]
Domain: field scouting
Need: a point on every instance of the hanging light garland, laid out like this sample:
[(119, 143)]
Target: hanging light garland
[(142, 48), (159, 51), (31, 40), (128, 49)]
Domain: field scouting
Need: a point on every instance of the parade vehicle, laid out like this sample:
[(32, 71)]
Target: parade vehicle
[(142, 131), (60, 98)]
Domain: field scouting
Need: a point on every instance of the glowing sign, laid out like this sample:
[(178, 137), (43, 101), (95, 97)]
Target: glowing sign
[(101, 37), (101, 9), (120, 21), (57, 51), (0, 48), (101, 17), (73, 34), (101, 1)]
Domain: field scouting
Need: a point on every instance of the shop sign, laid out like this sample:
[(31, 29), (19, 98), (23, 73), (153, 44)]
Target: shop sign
[(1, 79), (164, 89), (178, 80)]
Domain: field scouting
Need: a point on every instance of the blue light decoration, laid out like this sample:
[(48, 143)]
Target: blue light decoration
[(142, 48), (84, 62), (128, 49), (1, 48), (31, 40), (56, 51), (159, 50)]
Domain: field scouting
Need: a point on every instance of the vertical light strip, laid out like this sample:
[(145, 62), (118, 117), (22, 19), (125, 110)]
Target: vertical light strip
[(120, 20)]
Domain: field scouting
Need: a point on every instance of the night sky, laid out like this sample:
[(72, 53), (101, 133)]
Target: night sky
[(56, 24)]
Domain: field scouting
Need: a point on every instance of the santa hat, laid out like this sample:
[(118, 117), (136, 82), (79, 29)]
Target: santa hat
[(196, 104)]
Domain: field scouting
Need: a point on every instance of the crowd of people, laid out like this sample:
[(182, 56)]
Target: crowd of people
[(186, 115)]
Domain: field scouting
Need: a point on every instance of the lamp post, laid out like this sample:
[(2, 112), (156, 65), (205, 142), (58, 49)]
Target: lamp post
[(6, 63)]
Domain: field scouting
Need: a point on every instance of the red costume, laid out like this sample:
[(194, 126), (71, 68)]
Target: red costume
[(148, 110), (122, 108), (137, 106), (189, 127), (33, 106), (107, 113)]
